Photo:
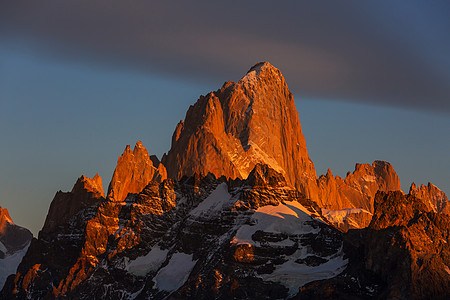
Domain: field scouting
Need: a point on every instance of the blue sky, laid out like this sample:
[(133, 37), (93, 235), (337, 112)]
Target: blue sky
[(78, 82)]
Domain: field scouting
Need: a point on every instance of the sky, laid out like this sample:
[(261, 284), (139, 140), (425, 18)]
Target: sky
[(79, 80)]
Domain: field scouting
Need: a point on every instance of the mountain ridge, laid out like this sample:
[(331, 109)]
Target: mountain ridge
[(235, 210)]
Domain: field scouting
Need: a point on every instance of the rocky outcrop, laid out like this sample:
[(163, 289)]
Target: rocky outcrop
[(231, 130), (403, 254), (85, 193), (408, 244), (432, 196), (78, 229), (134, 170), (348, 203), (358, 189), (5, 219)]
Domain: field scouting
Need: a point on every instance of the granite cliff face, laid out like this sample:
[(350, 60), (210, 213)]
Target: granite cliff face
[(231, 130), (409, 244), (348, 203), (86, 192), (358, 189), (134, 170), (433, 197)]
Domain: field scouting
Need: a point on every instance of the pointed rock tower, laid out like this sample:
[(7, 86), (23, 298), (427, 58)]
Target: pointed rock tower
[(134, 170), (253, 121), (432, 196)]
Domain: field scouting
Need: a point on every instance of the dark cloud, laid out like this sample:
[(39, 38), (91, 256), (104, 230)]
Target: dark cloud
[(385, 53)]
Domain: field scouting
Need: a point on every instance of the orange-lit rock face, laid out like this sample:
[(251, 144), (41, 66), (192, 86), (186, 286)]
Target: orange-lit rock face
[(99, 230), (432, 196), (134, 170), (30, 276), (86, 192), (358, 189), (348, 203), (5, 219), (252, 121), (408, 244), (255, 121)]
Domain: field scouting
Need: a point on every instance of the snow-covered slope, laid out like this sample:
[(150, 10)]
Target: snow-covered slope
[(9, 264)]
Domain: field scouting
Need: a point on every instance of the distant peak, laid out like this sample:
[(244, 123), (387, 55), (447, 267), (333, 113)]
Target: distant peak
[(4, 215), (140, 150), (93, 185)]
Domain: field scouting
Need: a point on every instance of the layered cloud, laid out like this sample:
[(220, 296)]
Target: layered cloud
[(388, 53)]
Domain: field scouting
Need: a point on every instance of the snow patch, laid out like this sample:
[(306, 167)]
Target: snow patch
[(175, 273), (214, 202), (145, 264), (294, 275), (292, 219), (284, 218), (9, 264)]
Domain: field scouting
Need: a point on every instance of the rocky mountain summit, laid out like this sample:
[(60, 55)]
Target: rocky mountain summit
[(433, 197), (229, 131), (235, 210), (14, 242), (349, 203), (134, 170)]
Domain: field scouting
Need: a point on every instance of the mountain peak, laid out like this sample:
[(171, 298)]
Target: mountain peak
[(432, 196), (4, 215), (5, 220), (93, 185), (139, 148), (263, 74), (229, 131), (85, 192), (261, 68), (134, 170)]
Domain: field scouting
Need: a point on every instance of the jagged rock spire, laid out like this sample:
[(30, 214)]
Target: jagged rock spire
[(134, 170), (229, 131)]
